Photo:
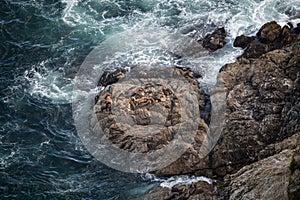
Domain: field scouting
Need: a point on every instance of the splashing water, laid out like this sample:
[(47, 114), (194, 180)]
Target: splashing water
[(43, 46), (97, 20)]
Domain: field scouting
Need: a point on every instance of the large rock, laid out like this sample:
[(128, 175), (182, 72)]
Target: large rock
[(215, 40), (274, 177), (142, 117), (257, 151), (260, 133), (271, 177), (294, 180), (262, 109), (266, 179), (269, 32), (270, 36), (243, 41)]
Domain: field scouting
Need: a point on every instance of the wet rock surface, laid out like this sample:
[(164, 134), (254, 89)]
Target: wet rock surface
[(257, 155), (243, 41), (269, 32), (210, 42), (270, 36), (194, 191), (215, 40)]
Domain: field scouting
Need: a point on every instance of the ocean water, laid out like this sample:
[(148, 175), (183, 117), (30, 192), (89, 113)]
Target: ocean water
[(42, 46)]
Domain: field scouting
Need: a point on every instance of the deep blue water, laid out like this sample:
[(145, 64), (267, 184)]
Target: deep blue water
[(42, 45)]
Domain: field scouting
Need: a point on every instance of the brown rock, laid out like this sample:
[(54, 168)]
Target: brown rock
[(243, 41), (294, 186), (148, 116), (262, 109), (270, 37), (261, 100), (258, 151), (266, 179), (285, 35), (294, 181), (254, 50), (269, 32), (215, 40)]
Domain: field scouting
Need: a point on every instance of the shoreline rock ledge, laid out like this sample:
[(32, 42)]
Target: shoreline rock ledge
[(258, 153)]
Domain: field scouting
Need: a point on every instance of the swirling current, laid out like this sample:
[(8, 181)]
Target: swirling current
[(42, 45)]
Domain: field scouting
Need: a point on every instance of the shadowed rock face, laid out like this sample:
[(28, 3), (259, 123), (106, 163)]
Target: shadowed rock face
[(259, 146), (243, 41)]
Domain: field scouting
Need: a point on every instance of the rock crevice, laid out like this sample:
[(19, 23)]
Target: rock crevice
[(257, 153)]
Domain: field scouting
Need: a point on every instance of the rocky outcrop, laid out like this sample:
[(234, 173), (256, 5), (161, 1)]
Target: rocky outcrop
[(270, 36), (269, 32), (257, 155), (262, 109), (142, 117), (265, 179), (215, 40), (294, 179), (243, 41), (272, 177), (269, 178)]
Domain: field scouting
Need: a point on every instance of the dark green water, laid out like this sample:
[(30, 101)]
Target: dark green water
[(42, 45)]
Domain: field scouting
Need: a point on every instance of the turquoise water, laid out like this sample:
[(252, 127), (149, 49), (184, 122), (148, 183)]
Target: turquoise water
[(44, 42)]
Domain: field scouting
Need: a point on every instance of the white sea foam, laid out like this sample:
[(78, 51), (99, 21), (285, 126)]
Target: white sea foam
[(177, 180), (68, 12), (47, 83), (95, 20), (10, 158), (184, 180)]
